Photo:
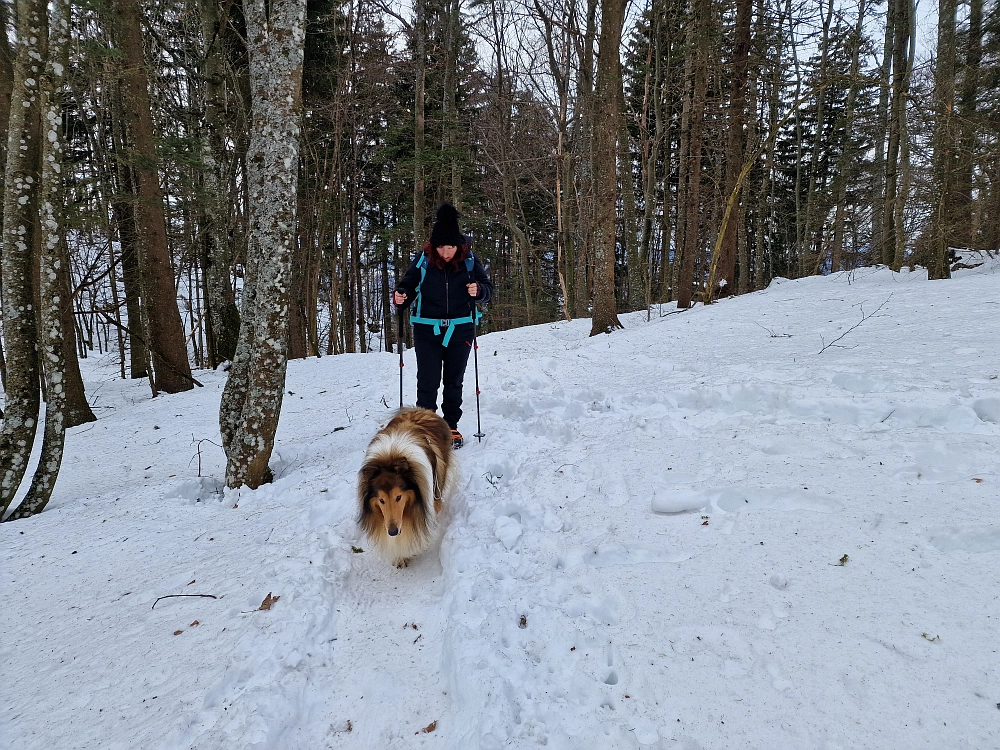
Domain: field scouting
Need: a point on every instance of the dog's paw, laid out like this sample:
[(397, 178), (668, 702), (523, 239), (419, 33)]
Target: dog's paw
[(402, 562)]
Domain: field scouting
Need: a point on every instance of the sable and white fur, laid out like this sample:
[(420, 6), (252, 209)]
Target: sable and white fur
[(407, 475)]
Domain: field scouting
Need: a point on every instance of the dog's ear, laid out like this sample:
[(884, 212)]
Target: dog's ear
[(401, 466), (367, 474)]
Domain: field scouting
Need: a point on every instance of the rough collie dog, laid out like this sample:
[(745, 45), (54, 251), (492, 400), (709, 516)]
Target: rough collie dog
[(407, 476)]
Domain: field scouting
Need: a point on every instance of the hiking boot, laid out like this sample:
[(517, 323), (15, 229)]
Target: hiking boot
[(457, 441)]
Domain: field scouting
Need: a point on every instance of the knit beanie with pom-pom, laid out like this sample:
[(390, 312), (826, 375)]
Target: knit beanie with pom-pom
[(446, 231)]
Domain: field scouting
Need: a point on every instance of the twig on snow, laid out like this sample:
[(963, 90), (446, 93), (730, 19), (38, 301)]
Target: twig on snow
[(856, 325), (774, 335), (171, 596)]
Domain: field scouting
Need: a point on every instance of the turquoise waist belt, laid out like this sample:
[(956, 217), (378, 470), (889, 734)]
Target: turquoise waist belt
[(447, 323)]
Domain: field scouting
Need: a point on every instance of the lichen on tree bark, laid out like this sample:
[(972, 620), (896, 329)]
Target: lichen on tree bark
[(251, 401)]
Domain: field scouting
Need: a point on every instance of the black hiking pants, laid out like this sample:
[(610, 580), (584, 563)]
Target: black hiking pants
[(436, 363)]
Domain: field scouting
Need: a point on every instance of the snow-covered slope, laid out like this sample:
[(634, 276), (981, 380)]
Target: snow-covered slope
[(698, 532)]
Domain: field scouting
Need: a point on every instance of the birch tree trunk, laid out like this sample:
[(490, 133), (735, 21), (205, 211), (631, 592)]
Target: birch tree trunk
[(20, 238), (251, 400), (607, 105), (51, 257)]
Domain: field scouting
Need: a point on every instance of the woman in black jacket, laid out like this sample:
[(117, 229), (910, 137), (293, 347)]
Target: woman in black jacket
[(443, 285)]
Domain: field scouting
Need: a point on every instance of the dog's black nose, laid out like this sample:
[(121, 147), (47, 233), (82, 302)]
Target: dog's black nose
[(393, 531)]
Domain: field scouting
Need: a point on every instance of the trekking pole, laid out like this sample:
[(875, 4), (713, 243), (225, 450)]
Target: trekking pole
[(475, 361), (399, 336)]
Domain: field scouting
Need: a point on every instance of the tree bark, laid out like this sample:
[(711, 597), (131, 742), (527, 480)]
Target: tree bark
[(51, 258), (221, 314), (944, 144), (635, 291), (905, 166), (6, 89), (844, 163), (812, 251), (965, 217), (77, 408), (897, 113), (123, 210), (420, 79), (164, 333), (251, 400), (20, 245), (607, 111), (698, 48), (735, 139), (881, 136)]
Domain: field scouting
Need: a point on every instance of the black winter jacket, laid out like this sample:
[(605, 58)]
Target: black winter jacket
[(443, 293)]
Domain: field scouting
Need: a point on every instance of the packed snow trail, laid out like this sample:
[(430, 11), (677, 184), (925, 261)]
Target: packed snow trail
[(698, 532)]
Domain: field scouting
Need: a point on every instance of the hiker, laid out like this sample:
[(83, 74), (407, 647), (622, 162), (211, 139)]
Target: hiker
[(444, 283)]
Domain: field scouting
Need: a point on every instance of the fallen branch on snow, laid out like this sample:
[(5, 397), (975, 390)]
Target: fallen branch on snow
[(856, 325)]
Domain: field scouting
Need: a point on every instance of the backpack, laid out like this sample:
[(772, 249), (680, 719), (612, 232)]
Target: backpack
[(450, 323)]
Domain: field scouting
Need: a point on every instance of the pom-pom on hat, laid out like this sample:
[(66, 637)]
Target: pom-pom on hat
[(446, 231)]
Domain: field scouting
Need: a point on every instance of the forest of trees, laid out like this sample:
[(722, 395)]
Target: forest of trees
[(192, 183)]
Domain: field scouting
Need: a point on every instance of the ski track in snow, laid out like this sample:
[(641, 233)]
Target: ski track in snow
[(698, 532)]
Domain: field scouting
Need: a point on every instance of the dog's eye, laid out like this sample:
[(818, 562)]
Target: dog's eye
[(398, 498), (381, 500)]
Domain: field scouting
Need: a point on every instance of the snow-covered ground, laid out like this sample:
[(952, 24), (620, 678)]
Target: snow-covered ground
[(698, 532)]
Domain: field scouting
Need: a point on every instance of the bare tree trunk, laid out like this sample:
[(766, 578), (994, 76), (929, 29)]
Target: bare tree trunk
[(847, 157), (164, 334), (735, 140), (965, 217), (77, 409), (221, 314), (6, 89), (881, 136), (905, 167), (558, 55), (698, 48), (123, 210), (583, 166), (649, 145), (420, 79), (359, 292), (812, 252), (607, 106), (897, 113), (20, 243), (683, 164), (51, 256), (635, 291), (944, 144), (251, 400)]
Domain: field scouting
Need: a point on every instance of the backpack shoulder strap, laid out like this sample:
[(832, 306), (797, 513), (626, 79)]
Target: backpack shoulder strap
[(422, 265)]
